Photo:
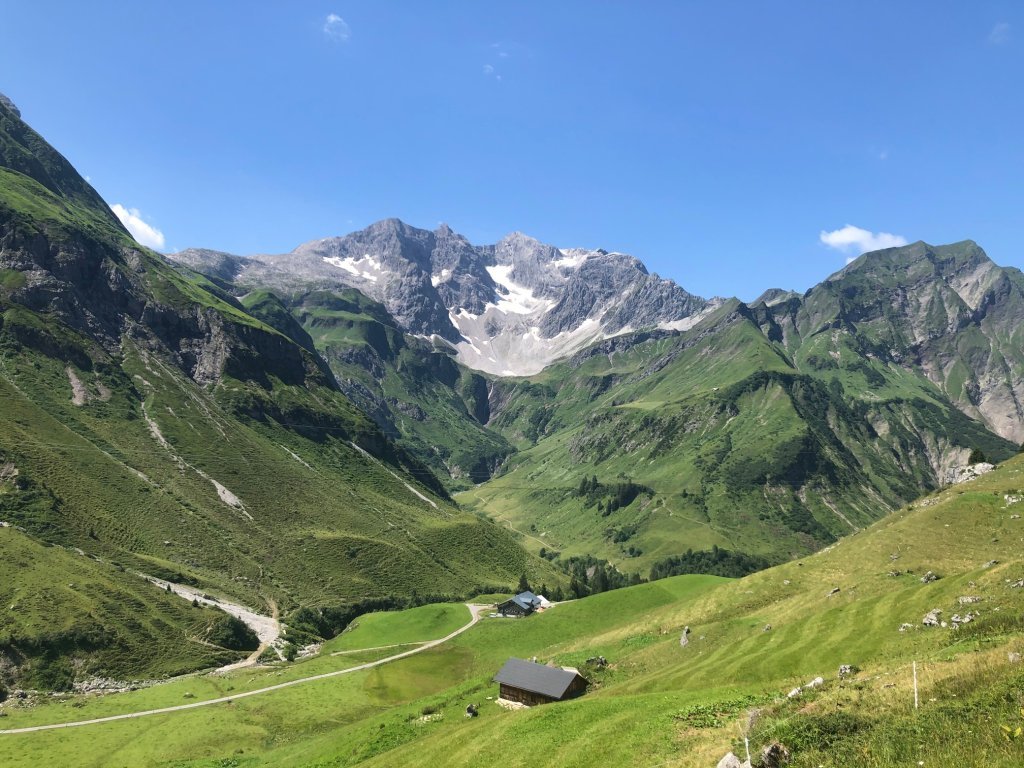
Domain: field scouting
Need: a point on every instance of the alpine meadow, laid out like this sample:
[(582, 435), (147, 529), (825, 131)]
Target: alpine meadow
[(412, 497)]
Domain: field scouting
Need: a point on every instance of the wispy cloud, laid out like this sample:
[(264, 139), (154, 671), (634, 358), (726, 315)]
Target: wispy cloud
[(1000, 33), (336, 28), (854, 241), (146, 234), (490, 71)]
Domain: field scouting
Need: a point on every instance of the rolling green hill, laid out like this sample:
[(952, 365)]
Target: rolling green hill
[(148, 418), (860, 602)]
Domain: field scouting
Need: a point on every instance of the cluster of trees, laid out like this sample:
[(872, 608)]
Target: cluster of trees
[(715, 561), (329, 621), (609, 498), (588, 575)]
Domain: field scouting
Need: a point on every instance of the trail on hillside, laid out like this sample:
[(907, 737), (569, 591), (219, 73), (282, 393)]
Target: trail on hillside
[(223, 493), (375, 460), (475, 613)]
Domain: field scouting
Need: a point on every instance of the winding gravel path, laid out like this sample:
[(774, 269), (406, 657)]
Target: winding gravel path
[(474, 610)]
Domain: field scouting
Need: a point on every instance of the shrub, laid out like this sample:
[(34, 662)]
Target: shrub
[(232, 633)]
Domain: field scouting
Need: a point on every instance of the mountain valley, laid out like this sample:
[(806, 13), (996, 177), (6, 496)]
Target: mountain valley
[(362, 437)]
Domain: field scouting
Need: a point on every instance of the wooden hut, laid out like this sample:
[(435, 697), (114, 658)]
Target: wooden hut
[(531, 684)]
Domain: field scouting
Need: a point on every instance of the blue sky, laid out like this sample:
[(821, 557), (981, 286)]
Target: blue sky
[(715, 141)]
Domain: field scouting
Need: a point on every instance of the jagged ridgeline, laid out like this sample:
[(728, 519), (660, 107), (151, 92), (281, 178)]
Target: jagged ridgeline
[(766, 429), (149, 419)]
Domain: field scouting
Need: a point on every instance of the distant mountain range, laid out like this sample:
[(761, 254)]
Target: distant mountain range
[(510, 309), (525, 359)]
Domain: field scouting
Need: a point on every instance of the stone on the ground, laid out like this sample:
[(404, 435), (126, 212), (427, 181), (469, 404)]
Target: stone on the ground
[(931, 619), (775, 755), (929, 577)]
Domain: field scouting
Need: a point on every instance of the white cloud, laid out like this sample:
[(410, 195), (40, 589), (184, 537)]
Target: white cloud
[(488, 69), (336, 28), (1000, 34), (854, 241), (146, 234)]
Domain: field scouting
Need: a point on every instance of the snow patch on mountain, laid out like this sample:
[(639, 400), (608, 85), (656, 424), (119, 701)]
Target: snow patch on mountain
[(510, 353), (366, 267), (571, 258), (517, 299), (509, 309)]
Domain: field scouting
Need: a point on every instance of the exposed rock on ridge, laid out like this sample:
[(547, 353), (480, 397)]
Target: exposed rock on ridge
[(509, 309)]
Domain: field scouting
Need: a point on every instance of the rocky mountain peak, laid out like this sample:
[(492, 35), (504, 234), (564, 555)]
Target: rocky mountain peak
[(510, 308)]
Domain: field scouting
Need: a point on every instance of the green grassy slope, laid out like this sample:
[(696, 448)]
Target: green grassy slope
[(741, 444), (67, 615), (659, 703), (418, 395)]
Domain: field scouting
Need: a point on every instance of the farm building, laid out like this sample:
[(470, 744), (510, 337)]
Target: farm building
[(531, 684), (522, 604)]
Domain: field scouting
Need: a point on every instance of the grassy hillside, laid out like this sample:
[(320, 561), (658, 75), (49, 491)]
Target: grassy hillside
[(69, 616), (737, 443), (657, 703), (419, 396), (148, 418)]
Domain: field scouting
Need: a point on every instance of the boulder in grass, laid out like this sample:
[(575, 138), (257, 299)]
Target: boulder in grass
[(731, 761), (775, 755)]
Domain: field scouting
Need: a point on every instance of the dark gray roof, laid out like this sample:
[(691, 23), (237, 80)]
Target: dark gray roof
[(525, 600), (537, 678)]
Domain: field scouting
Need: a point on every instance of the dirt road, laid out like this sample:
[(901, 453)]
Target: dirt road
[(474, 610)]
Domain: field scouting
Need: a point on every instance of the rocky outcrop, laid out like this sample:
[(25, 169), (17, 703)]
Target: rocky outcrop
[(8, 104), (509, 308), (958, 475), (947, 312)]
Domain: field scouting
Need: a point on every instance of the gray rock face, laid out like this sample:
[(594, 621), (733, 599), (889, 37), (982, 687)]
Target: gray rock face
[(940, 310), (6, 102), (509, 308)]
